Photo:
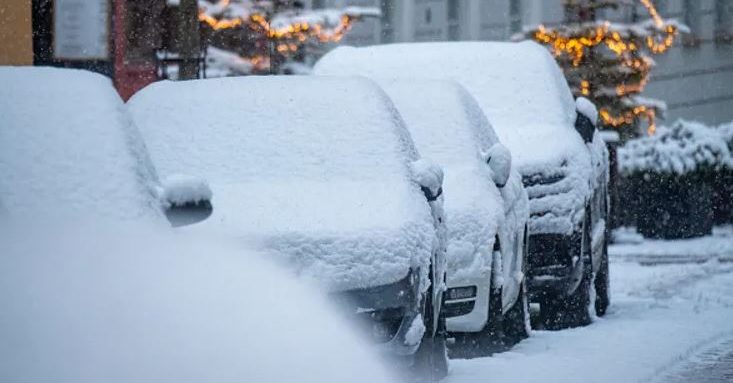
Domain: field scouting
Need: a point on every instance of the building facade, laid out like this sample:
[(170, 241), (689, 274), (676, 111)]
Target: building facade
[(695, 77), (16, 46)]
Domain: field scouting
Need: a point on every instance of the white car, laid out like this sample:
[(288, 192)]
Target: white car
[(555, 146), (69, 153), (323, 173), (109, 304), (487, 212)]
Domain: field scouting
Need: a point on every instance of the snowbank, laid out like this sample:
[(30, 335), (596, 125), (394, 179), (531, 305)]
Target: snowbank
[(455, 135), (315, 168), (103, 305), (684, 147), (67, 148)]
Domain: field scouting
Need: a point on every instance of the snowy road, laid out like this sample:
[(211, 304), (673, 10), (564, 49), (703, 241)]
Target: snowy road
[(668, 323)]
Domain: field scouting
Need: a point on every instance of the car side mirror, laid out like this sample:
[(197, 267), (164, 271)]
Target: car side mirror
[(499, 159), (186, 200), (429, 176), (586, 118)]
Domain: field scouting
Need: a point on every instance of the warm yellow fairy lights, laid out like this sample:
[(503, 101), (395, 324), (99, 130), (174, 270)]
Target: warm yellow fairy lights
[(576, 48), (285, 36)]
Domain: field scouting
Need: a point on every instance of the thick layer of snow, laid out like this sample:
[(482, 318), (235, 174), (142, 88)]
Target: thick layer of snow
[(315, 168), (455, 135), (684, 147), (522, 91), (67, 148), (518, 85), (121, 306), (659, 317)]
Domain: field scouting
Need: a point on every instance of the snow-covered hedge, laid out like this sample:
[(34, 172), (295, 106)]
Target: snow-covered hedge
[(680, 149)]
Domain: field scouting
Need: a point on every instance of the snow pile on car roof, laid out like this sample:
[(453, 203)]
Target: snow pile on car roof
[(68, 149), (316, 168), (99, 305), (684, 147), (454, 135), (518, 85)]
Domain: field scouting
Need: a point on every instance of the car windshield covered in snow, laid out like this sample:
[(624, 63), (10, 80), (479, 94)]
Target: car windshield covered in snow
[(315, 168), (68, 149)]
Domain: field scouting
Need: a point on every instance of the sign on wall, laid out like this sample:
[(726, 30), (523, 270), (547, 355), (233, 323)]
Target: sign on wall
[(81, 29)]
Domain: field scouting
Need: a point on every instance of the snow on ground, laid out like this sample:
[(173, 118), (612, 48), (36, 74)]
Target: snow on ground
[(632, 247), (661, 316)]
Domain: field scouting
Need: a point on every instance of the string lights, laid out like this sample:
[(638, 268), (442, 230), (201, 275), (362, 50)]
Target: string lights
[(289, 32), (628, 43)]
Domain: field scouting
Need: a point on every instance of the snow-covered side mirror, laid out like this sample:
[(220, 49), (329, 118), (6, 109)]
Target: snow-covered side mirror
[(586, 118), (429, 176), (499, 159), (186, 200)]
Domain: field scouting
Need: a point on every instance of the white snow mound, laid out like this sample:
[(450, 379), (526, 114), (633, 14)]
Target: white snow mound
[(105, 305)]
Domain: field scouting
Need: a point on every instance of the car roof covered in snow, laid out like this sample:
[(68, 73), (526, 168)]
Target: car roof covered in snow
[(68, 149), (153, 306), (518, 85), (289, 159)]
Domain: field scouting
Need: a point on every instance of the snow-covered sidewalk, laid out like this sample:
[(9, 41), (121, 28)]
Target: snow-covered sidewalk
[(661, 316), (633, 247)]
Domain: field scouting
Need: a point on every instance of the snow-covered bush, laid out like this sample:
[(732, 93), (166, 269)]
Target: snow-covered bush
[(669, 179), (683, 148)]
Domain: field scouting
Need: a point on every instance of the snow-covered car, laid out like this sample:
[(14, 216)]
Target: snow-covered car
[(555, 146), (69, 151), (486, 207), (103, 304), (323, 173)]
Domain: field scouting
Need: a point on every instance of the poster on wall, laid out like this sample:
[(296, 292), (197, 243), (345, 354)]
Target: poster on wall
[(81, 29)]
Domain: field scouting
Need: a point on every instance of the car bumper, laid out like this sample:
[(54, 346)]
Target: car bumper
[(470, 314), (386, 312)]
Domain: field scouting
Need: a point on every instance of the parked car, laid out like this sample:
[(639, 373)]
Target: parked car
[(487, 211), (69, 153), (323, 173), (110, 304), (558, 151)]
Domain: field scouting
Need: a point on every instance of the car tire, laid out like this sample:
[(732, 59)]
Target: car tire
[(563, 311), (602, 284), (516, 320), (431, 358)]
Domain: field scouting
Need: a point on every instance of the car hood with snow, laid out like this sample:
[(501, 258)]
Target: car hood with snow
[(519, 87), (316, 169), (67, 149), (101, 304)]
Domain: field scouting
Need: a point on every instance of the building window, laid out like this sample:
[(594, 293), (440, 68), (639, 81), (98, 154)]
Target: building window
[(691, 18), (723, 21), (428, 15), (453, 10), (515, 16)]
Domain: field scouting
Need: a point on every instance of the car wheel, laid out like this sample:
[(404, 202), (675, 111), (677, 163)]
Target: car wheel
[(431, 358), (603, 294), (563, 311)]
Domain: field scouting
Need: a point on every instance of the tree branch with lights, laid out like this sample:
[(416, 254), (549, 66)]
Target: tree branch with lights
[(251, 36), (610, 63)]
